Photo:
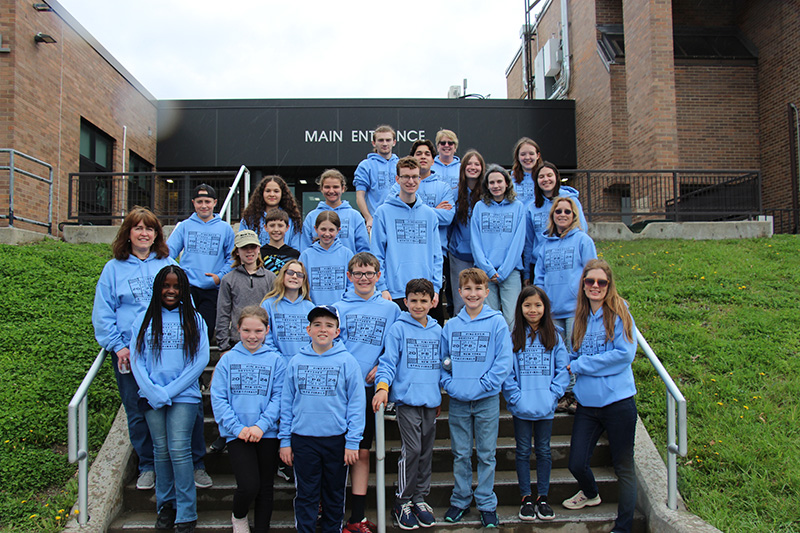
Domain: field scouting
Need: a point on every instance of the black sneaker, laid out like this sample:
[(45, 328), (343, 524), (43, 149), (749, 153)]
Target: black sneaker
[(489, 519), (166, 517), (455, 514), (543, 510), (218, 446), (526, 510), (286, 473), (185, 527)]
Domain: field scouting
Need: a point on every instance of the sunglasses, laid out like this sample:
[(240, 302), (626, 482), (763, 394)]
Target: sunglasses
[(447, 143), (565, 211), (591, 282), (294, 273)]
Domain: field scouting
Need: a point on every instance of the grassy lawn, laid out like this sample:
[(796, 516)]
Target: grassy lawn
[(723, 316)]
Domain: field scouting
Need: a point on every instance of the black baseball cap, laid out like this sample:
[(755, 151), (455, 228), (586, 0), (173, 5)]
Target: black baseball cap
[(204, 190), (322, 310)]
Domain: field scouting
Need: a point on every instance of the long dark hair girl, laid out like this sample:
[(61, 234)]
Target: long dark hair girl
[(522, 330), (537, 191), (188, 317), (466, 200), (254, 212), (613, 306)]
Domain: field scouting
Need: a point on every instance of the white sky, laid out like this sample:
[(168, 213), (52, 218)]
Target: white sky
[(213, 49)]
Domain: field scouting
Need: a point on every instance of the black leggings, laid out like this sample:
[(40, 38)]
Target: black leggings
[(254, 465)]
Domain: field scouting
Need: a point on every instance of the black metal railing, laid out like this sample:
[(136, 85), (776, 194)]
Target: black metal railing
[(784, 220), (637, 197), (100, 197)]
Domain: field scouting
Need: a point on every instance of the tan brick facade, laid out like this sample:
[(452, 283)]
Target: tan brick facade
[(45, 91), (653, 112)]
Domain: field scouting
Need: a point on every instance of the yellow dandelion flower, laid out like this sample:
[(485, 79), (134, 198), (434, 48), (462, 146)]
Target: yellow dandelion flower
[(735, 400), (58, 517), (23, 501), (761, 374), (7, 441), (702, 277), (720, 403), (746, 407), (714, 380), (61, 510), (33, 516)]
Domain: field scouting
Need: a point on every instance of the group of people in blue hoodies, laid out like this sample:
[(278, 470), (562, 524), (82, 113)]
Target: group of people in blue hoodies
[(514, 240)]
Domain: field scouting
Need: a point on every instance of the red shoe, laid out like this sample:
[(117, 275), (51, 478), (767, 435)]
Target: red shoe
[(365, 526)]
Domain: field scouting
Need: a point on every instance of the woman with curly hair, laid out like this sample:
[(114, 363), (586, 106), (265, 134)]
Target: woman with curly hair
[(272, 192)]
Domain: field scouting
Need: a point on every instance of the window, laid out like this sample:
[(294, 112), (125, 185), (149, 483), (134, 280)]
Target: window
[(139, 186), (95, 193)]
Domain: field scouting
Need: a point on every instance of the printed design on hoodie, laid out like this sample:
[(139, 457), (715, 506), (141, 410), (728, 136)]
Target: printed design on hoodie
[(428, 199), (540, 221), (559, 259), (327, 278), (172, 337), (593, 343), (365, 329), (250, 379), (344, 230), (198, 242), (526, 189), (317, 380), (470, 346), (411, 231), (385, 180), (141, 288), (535, 361), (497, 222), (290, 328), (422, 354)]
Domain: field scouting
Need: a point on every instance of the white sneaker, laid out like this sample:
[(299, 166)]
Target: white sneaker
[(202, 480), (146, 480), (240, 525), (579, 501)]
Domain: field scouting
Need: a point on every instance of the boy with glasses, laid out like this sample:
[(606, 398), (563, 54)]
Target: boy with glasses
[(365, 318)]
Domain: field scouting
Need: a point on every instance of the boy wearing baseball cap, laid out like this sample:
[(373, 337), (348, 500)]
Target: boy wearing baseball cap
[(322, 421)]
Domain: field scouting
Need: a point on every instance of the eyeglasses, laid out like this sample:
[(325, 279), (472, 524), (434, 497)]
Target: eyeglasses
[(295, 274), (591, 282), (359, 275), (407, 178), (447, 143), (565, 211)]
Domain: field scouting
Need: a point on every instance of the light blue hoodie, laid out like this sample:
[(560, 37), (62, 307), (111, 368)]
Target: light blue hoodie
[(206, 247), (559, 267), (123, 291), (363, 325), (246, 391), (171, 379), (459, 243), (292, 237), (323, 396), (537, 380), (410, 365), (326, 271), (447, 173), (352, 234), (375, 175), (602, 368), (497, 236), (406, 242), (536, 225), (526, 190), (287, 324), (480, 351), (433, 191)]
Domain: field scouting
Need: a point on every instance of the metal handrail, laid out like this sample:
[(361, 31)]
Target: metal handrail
[(674, 399), (380, 468), (225, 210), (78, 435), (13, 170)]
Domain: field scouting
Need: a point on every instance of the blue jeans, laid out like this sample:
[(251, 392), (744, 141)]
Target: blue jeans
[(479, 419), (137, 426), (618, 420), (540, 431), (171, 429), (503, 296), (566, 325)]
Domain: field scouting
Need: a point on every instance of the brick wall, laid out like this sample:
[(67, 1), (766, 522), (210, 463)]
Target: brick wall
[(54, 86), (774, 27)]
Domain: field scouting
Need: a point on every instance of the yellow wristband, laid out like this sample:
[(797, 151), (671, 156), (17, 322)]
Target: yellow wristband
[(382, 386)]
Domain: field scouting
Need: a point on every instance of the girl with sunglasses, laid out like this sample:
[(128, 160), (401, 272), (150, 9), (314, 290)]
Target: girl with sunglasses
[(605, 337), (564, 253), (288, 305)]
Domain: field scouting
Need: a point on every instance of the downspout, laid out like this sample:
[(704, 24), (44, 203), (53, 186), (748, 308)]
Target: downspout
[(124, 188), (563, 87), (794, 153)]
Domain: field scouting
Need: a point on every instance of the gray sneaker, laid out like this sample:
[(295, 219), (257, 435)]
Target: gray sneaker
[(146, 480), (202, 480)]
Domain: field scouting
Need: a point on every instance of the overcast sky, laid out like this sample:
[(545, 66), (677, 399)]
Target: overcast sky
[(181, 49)]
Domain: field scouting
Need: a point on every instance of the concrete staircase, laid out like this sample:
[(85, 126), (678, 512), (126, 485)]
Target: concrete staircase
[(214, 504)]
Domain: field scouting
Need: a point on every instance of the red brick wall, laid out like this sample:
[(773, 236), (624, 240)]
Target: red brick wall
[(718, 126), (54, 86), (608, 11), (774, 27), (705, 13)]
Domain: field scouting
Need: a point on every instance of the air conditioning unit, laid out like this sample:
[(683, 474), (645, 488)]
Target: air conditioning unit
[(454, 91)]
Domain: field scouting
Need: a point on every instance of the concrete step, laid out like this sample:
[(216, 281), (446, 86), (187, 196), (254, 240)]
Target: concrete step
[(443, 457), (590, 519), (220, 496)]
